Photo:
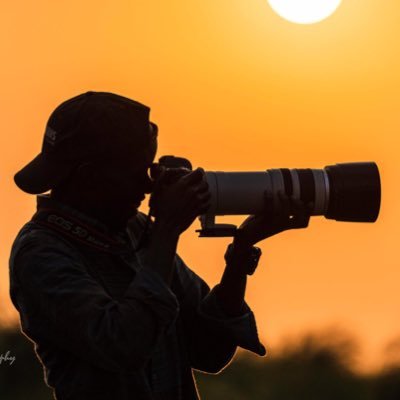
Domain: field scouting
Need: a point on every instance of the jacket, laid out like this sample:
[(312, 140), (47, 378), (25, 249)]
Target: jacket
[(106, 327)]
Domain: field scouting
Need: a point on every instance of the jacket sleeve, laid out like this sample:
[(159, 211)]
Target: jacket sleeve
[(61, 303), (211, 336)]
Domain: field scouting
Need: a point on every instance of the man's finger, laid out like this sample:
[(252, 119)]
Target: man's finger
[(202, 187), (285, 206), (193, 176), (299, 221), (268, 202), (299, 207)]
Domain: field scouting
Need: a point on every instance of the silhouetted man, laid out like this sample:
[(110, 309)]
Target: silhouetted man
[(111, 319)]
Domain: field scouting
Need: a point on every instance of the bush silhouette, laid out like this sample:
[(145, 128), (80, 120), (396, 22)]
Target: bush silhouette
[(316, 367)]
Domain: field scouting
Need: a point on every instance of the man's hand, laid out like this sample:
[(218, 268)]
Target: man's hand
[(176, 205), (242, 258), (287, 213)]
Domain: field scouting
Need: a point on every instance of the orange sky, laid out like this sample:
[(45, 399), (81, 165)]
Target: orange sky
[(232, 87)]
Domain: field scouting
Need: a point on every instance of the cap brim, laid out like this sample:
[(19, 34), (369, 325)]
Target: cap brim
[(40, 175)]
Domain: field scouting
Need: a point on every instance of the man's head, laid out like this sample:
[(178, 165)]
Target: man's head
[(99, 145)]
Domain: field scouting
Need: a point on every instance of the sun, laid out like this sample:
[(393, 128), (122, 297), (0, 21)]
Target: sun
[(304, 11)]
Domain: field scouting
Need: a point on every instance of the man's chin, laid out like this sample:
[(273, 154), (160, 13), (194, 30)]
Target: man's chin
[(127, 213), (132, 211)]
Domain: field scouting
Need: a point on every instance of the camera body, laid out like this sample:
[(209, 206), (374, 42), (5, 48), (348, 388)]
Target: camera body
[(348, 192)]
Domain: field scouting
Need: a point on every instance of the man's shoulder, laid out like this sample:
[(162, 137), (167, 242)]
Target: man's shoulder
[(33, 237)]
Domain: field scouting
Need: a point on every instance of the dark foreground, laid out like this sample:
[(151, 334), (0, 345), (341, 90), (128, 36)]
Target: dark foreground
[(317, 367)]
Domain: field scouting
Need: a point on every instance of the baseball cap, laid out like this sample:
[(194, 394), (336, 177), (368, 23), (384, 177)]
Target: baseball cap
[(88, 127)]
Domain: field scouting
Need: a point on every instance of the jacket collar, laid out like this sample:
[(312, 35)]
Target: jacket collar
[(79, 227)]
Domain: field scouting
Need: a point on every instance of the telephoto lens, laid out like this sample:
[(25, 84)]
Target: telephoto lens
[(343, 192)]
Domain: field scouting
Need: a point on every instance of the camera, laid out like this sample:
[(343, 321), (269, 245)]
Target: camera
[(348, 192)]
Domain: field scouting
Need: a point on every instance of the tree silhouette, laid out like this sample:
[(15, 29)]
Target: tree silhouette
[(314, 367)]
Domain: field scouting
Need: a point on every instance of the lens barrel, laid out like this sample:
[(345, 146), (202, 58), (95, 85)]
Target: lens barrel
[(344, 192)]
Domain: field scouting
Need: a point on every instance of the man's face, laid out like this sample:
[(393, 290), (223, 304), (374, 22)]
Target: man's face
[(125, 182)]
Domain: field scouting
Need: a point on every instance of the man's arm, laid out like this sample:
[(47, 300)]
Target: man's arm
[(288, 213), (212, 335), (224, 320), (232, 288)]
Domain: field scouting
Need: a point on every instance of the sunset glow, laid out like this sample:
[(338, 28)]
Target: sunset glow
[(232, 87), (304, 11)]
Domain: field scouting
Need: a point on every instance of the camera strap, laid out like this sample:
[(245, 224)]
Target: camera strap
[(77, 231)]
